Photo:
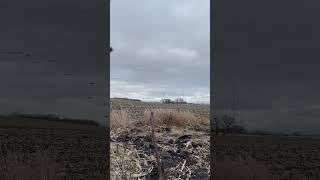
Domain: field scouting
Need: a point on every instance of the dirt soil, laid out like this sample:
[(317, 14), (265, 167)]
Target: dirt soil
[(79, 153), (283, 156)]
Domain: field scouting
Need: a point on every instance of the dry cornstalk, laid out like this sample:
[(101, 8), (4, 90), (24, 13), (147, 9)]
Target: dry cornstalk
[(156, 148)]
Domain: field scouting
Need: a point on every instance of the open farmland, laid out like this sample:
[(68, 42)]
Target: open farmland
[(266, 157), (136, 108), (42, 149), (181, 136)]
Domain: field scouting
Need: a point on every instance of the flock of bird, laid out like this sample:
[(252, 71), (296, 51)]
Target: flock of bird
[(27, 54)]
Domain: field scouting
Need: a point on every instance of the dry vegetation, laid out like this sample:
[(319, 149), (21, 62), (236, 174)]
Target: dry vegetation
[(181, 138), (162, 118), (136, 109)]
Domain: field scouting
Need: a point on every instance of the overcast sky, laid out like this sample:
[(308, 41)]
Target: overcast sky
[(161, 48), (269, 51), (66, 41)]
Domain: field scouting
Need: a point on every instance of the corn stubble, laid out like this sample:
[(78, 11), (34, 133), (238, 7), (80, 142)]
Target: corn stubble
[(162, 145)]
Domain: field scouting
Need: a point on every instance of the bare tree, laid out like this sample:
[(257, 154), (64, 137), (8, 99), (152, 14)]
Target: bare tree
[(228, 121), (180, 101)]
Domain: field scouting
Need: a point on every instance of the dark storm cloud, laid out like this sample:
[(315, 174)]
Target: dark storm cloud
[(269, 51), (63, 45), (161, 47)]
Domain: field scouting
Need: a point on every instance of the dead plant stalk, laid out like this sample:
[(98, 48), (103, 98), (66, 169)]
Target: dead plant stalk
[(156, 148)]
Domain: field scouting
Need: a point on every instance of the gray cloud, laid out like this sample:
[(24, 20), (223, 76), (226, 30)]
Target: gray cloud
[(269, 50), (160, 46), (66, 43)]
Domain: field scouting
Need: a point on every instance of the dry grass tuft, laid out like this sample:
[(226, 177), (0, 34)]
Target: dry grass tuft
[(170, 118), (119, 119)]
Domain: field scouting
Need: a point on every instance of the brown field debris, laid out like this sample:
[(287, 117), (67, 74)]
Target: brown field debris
[(181, 149)]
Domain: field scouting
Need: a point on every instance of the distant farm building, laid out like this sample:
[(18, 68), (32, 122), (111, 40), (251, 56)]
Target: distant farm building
[(167, 101), (177, 101)]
